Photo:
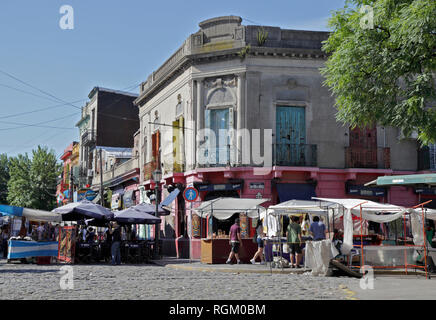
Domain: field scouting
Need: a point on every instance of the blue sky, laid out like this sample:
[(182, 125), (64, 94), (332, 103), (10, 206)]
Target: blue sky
[(114, 44)]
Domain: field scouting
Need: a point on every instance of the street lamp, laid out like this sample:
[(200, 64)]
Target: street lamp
[(157, 176)]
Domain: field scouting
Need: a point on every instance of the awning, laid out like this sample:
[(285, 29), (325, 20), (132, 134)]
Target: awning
[(96, 199), (30, 214), (411, 179), (302, 206), (300, 191), (171, 197), (224, 208)]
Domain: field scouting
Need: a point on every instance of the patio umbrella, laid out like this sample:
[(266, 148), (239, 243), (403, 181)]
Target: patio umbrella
[(151, 209), (135, 216), (84, 209)]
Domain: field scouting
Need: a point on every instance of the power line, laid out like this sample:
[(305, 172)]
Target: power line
[(39, 124), (38, 110), (26, 92), (40, 90)]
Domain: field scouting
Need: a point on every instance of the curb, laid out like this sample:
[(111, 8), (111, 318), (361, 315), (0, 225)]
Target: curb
[(229, 270), (350, 295)]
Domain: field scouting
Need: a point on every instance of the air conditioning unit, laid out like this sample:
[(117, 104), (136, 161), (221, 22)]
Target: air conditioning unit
[(90, 173)]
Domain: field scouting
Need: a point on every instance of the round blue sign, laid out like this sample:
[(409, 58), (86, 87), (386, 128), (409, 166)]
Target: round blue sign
[(190, 194)]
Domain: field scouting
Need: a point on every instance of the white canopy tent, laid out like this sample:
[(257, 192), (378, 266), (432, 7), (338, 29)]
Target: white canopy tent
[(301, 206), (377, 212), (224, 208), (294, 207)]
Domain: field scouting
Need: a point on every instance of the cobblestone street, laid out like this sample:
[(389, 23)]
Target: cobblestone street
[(100, 282)]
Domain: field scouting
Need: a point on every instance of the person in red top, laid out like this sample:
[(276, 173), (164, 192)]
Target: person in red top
[(235, 242)]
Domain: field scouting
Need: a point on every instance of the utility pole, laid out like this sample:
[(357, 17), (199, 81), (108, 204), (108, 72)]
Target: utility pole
[(101, 178)]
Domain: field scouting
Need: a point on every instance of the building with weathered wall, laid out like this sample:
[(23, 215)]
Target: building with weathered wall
[(228, 76), (109, 119)]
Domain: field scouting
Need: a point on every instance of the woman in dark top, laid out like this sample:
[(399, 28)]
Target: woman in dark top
[(116, 244)]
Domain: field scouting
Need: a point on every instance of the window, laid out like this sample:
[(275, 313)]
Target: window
[(219, 121), (432, 153)]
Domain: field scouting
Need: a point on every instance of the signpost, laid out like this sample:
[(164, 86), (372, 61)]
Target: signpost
[(190, 195)]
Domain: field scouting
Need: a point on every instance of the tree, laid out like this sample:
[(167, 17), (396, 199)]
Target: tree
[(32, 182), (381, 65), (19, 185), (44, 171), (4, 178)]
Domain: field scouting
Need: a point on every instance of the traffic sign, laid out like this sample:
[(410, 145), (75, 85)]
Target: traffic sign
[(190, 194)]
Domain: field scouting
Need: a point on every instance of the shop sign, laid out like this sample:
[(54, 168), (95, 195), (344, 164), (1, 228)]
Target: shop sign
[(116, 201), (426, 191), (219, 187), (257, 185), (87, 194), (366, 191)]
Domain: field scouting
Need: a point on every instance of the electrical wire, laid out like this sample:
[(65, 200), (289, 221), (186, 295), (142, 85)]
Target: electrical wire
[(40, 90), (39, 124), (38, 110)]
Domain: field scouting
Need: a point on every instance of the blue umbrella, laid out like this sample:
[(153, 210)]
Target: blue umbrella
[(84, 209), (135, 216), (151, 209)]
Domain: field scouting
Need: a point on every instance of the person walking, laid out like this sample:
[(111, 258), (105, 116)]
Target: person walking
[(317, 229), (260, 244), (116, 244), (5, 238), (235, 242), (293, 235)]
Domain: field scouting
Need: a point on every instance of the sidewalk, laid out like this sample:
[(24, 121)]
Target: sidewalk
[(196, 265)]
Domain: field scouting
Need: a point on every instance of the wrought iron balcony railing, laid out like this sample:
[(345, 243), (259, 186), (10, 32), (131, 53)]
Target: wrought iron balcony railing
[(295, 155), (371, 158)]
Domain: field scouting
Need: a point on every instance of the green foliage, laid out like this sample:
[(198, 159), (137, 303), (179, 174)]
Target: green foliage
[(4, 178), (262, 35), (43, 174), (32, 182), (19, 184), (385, 74), (244, 51)]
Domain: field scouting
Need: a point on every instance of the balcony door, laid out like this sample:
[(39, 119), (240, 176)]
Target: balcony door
[(362, 152), (290, 136), (219, 121)]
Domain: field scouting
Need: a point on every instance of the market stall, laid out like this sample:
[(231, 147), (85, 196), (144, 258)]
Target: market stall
[(276, 243), (26, 243), (220, 214), (386, 255)]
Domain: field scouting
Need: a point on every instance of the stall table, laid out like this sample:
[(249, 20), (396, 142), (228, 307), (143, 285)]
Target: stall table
[(21, 249), (216, 251)]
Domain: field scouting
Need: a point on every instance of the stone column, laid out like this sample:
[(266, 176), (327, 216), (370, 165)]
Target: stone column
[(240, 116), (200, 114)]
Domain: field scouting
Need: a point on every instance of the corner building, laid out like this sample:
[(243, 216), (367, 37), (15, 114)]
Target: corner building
[(231, 76)]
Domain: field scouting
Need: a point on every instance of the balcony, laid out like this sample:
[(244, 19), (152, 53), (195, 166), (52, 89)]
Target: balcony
[(295, 155), (89, 138), (370, 158), (117, 171)]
